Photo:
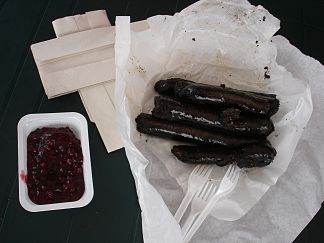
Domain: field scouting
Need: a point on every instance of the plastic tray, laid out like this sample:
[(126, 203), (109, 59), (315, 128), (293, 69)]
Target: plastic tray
[(78, 124)]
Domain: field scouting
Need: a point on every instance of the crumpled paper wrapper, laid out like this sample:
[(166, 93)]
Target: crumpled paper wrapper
[(214, 42)]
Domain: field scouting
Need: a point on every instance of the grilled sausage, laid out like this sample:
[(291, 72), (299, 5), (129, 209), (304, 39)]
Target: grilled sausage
[(224, 119), (162, 128), (253, 155)]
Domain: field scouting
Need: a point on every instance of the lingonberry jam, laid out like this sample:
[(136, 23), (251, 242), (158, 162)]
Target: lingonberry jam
[(54, 166)]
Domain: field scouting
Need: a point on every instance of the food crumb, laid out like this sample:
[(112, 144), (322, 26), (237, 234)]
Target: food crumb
[(140, 69), (194, 39), (266, 73)]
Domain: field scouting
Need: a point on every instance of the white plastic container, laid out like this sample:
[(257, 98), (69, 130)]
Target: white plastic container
[(78, 124)]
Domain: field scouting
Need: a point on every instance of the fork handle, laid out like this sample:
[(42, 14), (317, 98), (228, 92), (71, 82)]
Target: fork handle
[(202, 216), (183, 206), (188, 223)]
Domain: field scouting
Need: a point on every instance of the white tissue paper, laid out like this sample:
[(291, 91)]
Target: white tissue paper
[(223, 42)]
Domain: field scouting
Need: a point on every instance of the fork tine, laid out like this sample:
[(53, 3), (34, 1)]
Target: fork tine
[(207, 194), (202, 170), (209, 170), (233, 169), (205, 191), (214, 190), (230, 174), (235, 174), (202, 191), (202, 167), (205, 171), (198, 168), (228, 170)]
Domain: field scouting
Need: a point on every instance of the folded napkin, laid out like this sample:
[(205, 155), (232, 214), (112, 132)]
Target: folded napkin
[(77, 23), (97, 99), (75, 61)]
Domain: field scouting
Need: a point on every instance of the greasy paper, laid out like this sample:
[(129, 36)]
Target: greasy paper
[(210, 42)]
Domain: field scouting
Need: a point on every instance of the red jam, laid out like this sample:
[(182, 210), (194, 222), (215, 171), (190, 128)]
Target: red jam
[(54, 166)]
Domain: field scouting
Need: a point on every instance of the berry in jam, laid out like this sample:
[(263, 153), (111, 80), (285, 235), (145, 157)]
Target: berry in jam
[(54, 166)]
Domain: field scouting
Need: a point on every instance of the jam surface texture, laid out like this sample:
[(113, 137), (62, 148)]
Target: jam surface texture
[(54, 166)]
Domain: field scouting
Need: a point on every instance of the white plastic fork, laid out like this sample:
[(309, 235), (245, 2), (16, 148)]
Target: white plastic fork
[(197, 179), (226, 186), (198, 203)]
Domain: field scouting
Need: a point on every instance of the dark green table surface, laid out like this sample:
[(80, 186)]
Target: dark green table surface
[(114, 213)]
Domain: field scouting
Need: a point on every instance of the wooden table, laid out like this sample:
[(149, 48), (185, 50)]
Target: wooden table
[(114, 213)]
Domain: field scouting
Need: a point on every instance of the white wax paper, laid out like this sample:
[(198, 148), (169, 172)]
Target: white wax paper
[(215, 42)]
